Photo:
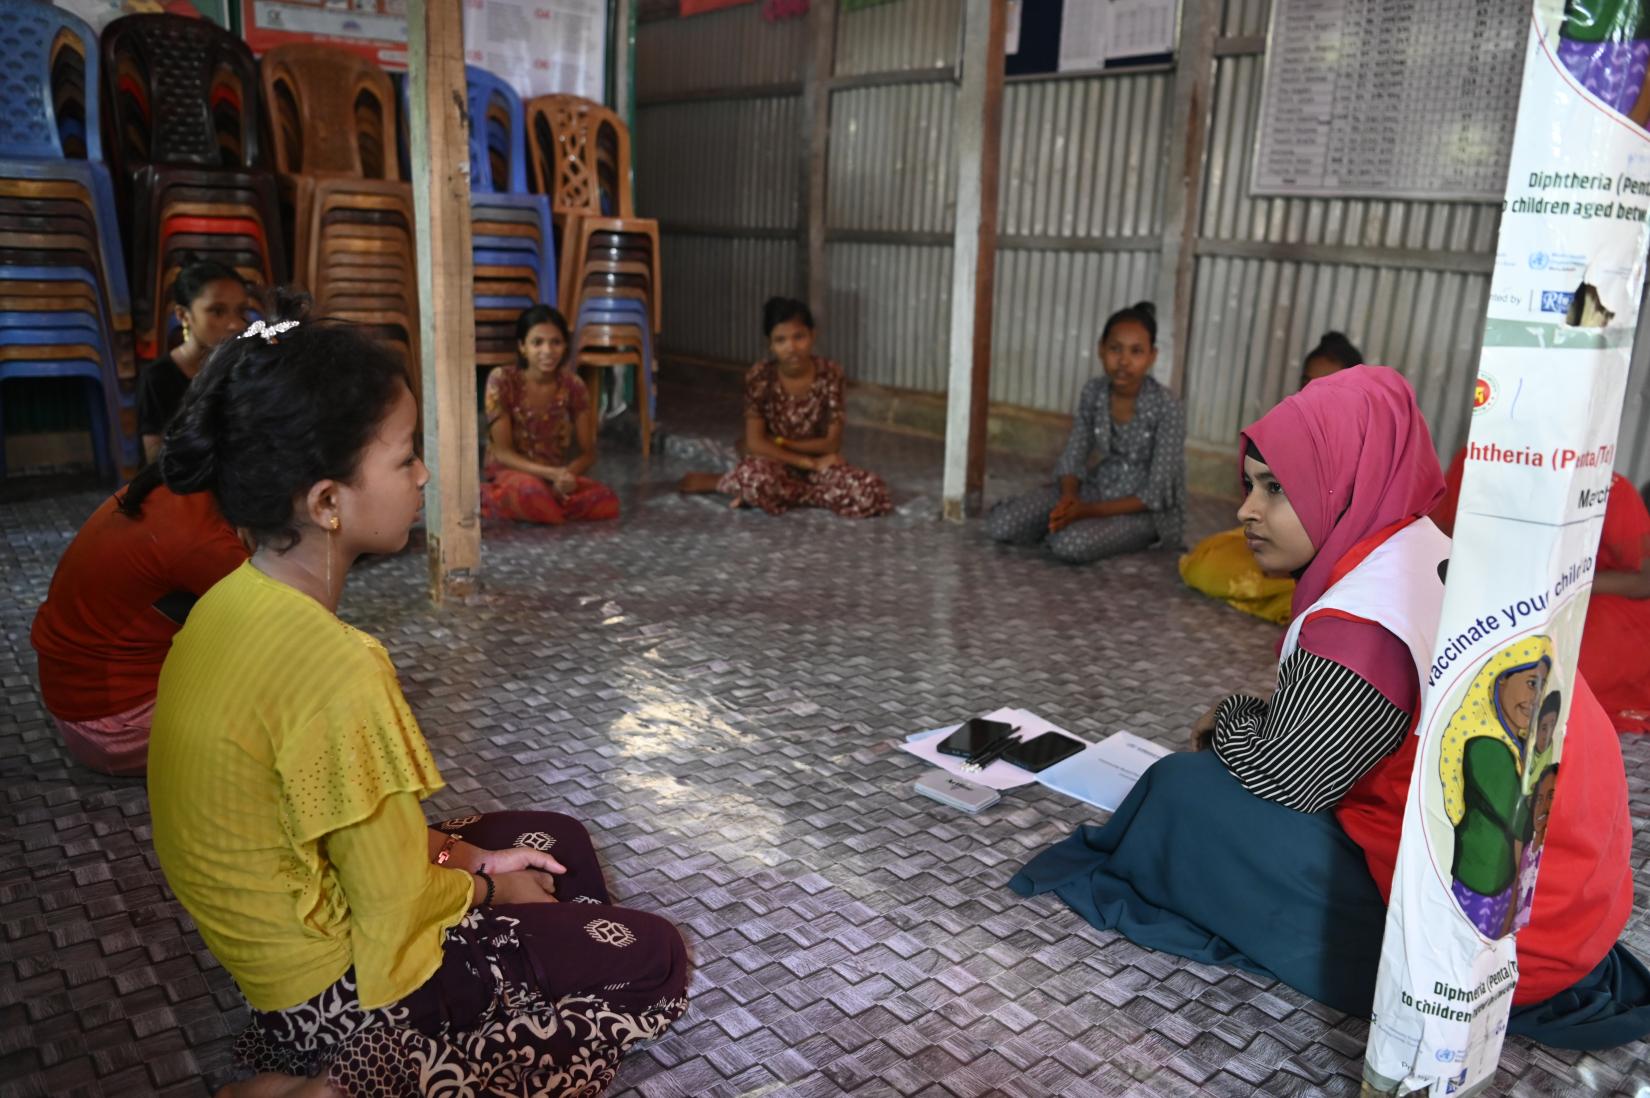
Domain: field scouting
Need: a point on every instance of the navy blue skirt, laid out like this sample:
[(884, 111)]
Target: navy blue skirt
[(1193, 864)]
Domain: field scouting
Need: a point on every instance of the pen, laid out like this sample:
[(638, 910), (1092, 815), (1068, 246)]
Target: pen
[(990, 753)]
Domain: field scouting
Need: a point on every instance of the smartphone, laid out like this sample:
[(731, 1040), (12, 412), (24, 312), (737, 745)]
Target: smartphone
[(976, 735), (954, 791), (1042, 752)]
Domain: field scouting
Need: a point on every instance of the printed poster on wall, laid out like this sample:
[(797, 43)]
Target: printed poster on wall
[(540, 47), (1094, 32), (376, 29), (100, 13), (1563, 307)]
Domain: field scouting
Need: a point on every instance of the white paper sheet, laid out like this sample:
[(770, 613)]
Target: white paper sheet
[(1093, 32), (999, 775), (1103, 774)]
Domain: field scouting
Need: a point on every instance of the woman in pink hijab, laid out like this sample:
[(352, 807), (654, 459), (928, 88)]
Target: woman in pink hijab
[(1273, 849)]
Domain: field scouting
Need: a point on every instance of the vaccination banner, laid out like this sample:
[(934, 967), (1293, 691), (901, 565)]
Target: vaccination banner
[(1563, 306)]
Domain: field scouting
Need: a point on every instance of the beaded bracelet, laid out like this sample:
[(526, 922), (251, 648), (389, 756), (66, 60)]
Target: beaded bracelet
[(486, 901)]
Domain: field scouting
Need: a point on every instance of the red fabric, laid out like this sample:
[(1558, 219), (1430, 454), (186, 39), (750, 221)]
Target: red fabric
[(1443, 515), (521, 497), (1355, 642), (1584, 893), (100, 639), (1615, 642), (1356, 461)]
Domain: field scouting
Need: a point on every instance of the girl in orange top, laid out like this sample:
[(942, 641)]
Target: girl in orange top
[(122, 589)]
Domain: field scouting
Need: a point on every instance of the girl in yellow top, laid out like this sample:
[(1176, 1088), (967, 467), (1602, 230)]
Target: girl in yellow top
[(286, 771), (1221, 565)]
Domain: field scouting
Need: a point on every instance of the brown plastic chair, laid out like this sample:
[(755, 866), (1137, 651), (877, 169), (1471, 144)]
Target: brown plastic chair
[(564, 135), (332, 111), (591, 361), (575, 264)]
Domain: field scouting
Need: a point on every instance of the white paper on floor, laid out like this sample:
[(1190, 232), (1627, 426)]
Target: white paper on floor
[(999, 775)]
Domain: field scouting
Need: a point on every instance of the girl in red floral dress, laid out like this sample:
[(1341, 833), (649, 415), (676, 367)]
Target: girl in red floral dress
[(533, 409), (794, 417)]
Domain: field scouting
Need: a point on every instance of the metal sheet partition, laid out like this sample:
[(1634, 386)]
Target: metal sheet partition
[(890, 311), (718, 148), (722, 50), (722, 163), (1405, 280), (889, 38), (891, 193), (892, 163), (714, 287), (1080, 217)]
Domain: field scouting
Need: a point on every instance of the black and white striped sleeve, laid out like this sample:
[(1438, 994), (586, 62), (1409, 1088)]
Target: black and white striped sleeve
[(1324, 728)]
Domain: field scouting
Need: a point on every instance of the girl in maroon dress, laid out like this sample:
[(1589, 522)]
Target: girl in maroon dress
[(533, 408), (794, 416)]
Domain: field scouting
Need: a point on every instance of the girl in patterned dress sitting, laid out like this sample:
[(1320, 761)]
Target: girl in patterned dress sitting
[(794, 418), (533, 410)]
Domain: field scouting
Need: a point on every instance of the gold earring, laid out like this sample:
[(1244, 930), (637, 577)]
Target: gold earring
[(335, 524), (186, 336)]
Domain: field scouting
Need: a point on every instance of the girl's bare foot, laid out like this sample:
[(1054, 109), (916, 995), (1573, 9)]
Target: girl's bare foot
[(271, 1085), (736, 503), (694, 484)]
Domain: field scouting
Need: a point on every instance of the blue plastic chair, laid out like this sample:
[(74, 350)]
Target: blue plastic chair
[(95, 178), (29, 126), (83, 328), (495, 302), (60, 321), (622, 310), (96, 403), (14, 273), (483, 87), (539, 204)]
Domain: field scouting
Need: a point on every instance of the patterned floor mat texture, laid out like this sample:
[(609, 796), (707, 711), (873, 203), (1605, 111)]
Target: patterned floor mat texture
[(718, 695)]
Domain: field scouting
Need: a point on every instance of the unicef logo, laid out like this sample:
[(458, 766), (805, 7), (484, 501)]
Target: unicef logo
[(1538, 261)]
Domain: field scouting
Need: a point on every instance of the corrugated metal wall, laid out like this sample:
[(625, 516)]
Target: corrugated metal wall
[(1080, 220), (889, 38), (1256, 315), (718, 150)]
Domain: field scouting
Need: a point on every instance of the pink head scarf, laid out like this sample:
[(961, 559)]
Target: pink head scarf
[(1354, 456)]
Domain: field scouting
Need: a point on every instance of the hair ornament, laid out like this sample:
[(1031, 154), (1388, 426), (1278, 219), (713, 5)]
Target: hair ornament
[(270, 332)]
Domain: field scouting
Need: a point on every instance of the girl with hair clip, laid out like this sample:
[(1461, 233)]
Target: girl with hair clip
[(122, 589), (1221, 565), (286, 771), (210, 301), (533, 409), (795, 414), (1120, 484), (1272, 846)]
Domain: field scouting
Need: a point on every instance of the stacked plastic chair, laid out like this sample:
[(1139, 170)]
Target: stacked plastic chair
[(182, 96), (512, 235), (333, 118), (64, 308), (580, 158)]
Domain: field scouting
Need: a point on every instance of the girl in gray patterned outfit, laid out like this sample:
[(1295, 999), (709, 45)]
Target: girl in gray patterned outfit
[(1120, 485)]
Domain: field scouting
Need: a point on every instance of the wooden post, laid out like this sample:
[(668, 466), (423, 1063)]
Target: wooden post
[(816, 110), (439, 128), (1183, 198), (974, 255)]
